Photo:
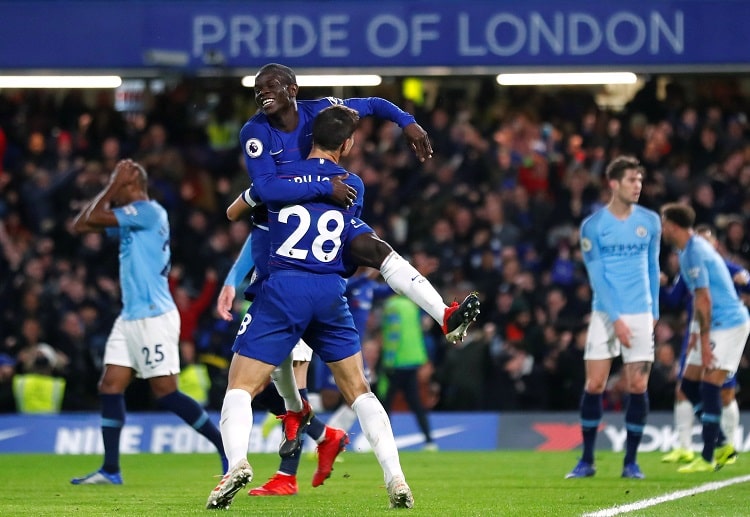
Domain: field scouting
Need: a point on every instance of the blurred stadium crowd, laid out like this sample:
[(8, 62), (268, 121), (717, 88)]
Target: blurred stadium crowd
[(495, 210)]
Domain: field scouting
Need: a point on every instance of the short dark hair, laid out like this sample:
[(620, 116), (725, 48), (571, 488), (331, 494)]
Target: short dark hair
[(333, 125), (617, 167), (679, 213), (284, 71)]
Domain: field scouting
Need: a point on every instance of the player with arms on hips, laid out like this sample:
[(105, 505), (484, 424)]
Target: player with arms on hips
[(620, 245), (304, 297), (721, 323), (678, 295), (144, 340)]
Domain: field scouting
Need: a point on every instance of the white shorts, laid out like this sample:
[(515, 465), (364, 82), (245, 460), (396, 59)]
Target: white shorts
[(302, 352), (728, 345), (601, 342), (150, 346)]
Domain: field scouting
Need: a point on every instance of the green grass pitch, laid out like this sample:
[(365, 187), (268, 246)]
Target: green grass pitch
[(444, 484)]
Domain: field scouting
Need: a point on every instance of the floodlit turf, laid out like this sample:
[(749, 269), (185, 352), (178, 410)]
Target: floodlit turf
[(444, 484)]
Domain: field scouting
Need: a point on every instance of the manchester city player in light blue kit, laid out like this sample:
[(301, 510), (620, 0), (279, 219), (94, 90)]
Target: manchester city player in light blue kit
[(719, 318), (620, 245), (303, 297), (144, 339)]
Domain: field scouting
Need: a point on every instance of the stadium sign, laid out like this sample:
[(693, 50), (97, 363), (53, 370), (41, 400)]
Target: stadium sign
[(190, 36)]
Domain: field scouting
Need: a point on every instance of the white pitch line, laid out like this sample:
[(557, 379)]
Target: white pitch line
[(640, 505)]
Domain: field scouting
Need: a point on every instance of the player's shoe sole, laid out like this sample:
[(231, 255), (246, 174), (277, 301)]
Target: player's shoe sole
[(233, 481), (458, 317)]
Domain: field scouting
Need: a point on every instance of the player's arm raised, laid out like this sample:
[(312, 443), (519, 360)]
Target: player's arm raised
[(97, 215)]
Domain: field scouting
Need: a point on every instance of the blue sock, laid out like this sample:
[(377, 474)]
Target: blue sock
[(291, 464), (635, 421), (591, 416), (692, 391), (196, 417), (711, 418), (316, 428), (113, 418)]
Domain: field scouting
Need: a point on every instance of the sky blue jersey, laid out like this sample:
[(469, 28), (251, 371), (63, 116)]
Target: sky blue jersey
[(622, 260), (310, 236), (701, 266), (143, 230)]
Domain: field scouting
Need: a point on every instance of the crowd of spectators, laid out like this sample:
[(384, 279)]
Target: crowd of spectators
[(495, 210)]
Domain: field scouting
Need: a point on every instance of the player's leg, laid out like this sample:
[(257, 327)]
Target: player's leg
[(367, 249), (637, 360), (728, 345), (410, 385), (730, 411), (376, 426), (117, 374), (601, 347), (112, 385), (683, 423), (247, 378)]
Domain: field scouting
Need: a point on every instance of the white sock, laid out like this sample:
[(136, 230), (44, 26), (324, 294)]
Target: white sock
[(683, 423), (730, 421), (283, 378), (377, 428), (236, 425), (404, 279), (343, 418)]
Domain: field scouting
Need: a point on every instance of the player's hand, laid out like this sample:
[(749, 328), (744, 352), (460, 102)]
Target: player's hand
[(622, 331), (419, 141), (343, 194), (225, 302)]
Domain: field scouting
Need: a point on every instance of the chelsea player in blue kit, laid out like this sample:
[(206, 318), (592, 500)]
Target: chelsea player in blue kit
[(620, 245), (144, 338), (678, 295), (722, 323), (307, 253), (279, 134)]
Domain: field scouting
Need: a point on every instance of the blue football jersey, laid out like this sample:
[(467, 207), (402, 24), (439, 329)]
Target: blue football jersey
[(622, 260), (701, 266), (143, 230), (309, 236)]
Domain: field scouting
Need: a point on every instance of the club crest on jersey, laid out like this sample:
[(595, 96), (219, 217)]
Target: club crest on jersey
[(585, 244), (641, 231), (253, 147)]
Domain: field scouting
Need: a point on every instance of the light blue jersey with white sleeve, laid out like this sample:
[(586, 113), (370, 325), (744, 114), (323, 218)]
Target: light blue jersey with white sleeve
[(622, 261), (143, 229), (701, 266)]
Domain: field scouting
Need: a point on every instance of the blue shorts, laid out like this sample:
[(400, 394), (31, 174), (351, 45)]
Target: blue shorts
[(294, 305)]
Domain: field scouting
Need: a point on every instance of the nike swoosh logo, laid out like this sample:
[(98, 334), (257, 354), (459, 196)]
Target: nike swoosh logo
[(407, 440), (274, 153), (11, 433), (355, 225)]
